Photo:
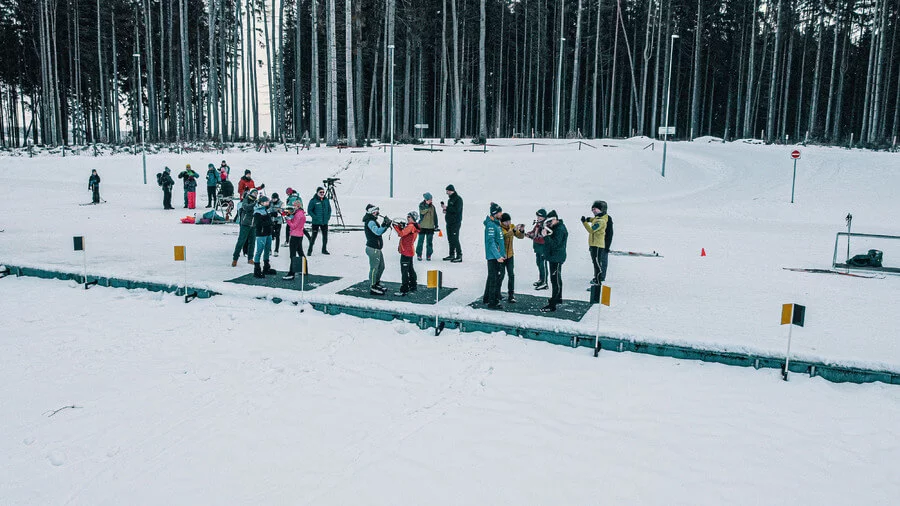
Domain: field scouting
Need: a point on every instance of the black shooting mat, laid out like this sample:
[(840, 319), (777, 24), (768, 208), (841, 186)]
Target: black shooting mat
[(573, 310), (422, 295), (310, 282)]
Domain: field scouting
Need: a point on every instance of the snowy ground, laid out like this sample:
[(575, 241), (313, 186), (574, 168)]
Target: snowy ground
[(233, 400), (731, 199)]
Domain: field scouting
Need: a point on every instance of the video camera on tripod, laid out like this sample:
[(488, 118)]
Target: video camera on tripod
[(331, 181)]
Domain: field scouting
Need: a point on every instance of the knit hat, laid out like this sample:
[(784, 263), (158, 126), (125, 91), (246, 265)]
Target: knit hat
[(414, 215), (187, 166), (505, 217), (263, 199), (552, 214), (247, 172), (319, 189), (495, 208), (211, 166), (427, 196), (371, 209), (450, 188), (274, 196), (541, 212), (289, 191), (253, 191), (167, 170)]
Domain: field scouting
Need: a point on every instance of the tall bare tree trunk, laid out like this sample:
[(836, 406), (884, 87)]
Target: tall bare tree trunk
[(482, 93), (187, 98), (748, 105), (817, 76), (314, 99), (331, 116), (457, 100), (695, 99), (773, 80), (348, 68), (576, 66)]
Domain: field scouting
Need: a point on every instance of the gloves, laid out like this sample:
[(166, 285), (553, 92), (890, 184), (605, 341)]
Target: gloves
[(583, 219), (261, 187), (387, 222)]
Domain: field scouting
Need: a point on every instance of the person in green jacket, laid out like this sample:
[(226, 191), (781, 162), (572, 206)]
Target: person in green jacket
[(556, 237), (596, 229), (428, 224)]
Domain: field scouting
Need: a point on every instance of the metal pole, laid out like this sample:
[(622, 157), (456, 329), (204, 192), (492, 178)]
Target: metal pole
[(391, 47), (794, 181), (141, 105), (668, 94), (787, 356)]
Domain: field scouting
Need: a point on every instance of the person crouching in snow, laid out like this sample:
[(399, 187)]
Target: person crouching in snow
[(94, 186), (510, 232), (374, 243), (262, 222), (407, 236), (296, 220)]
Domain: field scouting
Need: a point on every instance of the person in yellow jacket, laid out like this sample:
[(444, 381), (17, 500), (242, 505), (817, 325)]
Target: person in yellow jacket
[(596, 228), (510, 232)]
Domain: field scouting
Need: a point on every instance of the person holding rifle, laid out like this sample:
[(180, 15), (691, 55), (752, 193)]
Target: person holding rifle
[(374, 243)]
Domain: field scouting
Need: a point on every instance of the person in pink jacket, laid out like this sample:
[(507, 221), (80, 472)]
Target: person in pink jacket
[(296, 220)]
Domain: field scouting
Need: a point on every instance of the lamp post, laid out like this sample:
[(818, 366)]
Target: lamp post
[(668, 92), (562, 42), (141, 106), (391, 47)]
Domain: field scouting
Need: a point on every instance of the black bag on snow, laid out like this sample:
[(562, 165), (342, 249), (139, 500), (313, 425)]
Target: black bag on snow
[(871, 259), (159, 178)]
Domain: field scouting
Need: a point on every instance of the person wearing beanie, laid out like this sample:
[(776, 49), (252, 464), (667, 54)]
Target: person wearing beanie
[(246, 183), (596, 229), (407, 234), (495, 254), (212, 179), (190, 186), (263, 215), (453, 212), (292, 197), (164, 179), (537, 238), (510, 232), (296, 221), (428, 224), (224, 171), (320, 213), (555, 238), (94, 186), (374, 243), (247, 236), (277, 206)]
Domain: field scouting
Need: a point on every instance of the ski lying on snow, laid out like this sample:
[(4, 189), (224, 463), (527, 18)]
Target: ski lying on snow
[(634, 253), (92, 203), (832, 271)]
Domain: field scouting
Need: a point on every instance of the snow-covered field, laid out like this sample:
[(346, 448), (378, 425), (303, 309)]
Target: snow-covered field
[(233, 400)]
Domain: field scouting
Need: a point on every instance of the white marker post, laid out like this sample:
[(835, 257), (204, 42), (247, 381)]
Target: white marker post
[(79, 246), (605, 293), (791, 314), (435, 278), (181, 256)]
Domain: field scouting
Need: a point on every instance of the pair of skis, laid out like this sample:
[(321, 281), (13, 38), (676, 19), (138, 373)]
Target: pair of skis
[(836, 272)]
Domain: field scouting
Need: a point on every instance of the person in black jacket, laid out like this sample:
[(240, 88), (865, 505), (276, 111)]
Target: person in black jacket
[(263, 218), (247, 234), (165, 180), (94, 186), (374, 243), (555, 238), (453, 213)]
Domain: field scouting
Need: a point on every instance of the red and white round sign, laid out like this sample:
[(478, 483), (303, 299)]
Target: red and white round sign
[(795, 154)]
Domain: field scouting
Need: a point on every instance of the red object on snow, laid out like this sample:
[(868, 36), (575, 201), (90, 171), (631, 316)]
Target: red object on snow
[(795, 154), (188, 219), (192, 200), (703, 252)]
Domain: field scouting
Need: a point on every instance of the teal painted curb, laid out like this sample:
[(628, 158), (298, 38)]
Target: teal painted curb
[(109, 282), (832, 372)]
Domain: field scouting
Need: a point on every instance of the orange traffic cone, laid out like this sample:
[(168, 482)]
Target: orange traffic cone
[(703, 252)]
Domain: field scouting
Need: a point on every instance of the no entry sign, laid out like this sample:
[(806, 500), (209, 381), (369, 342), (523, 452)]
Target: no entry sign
[(795, 154)]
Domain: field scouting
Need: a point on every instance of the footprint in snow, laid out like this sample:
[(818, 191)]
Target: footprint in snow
[(57, 457)]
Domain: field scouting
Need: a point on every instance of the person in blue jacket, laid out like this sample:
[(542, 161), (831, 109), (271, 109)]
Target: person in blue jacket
[(374, 243), (319, 212), (212, 179), (495, 254)]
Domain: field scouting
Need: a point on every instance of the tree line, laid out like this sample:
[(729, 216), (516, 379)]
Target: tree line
[(87, 71)]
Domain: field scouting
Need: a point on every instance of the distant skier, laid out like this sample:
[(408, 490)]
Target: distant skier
[(555, 238), (407, 234), (94, 186), (537, 237), (319, 211), (596, 228), (453, 213), (495, 254), (428, 223), (190, 186), (212, 179), (374, 243), (165, 181), (510, 232)]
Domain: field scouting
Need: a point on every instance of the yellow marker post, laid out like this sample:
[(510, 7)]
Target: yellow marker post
[(435, 278), (605, 293)]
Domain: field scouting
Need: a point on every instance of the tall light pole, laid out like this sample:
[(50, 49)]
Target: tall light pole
[(562, 42), (668, 92), (391, 47), (140, 104)]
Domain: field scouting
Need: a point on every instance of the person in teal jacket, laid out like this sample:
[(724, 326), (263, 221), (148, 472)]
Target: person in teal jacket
[(495, 254), (212, 179), (319, 212)]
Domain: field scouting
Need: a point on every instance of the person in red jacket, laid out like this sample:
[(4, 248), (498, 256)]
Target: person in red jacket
[(246, 183), (407, 249)]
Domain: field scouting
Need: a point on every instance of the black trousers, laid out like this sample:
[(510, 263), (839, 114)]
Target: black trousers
[(555, 283), (315, 233), (210, 196), (407, 275), (453, 239), (295, 247), (276, 236), (96, 196), (167, 198), (596, 263), (506, 269), (492, 285)]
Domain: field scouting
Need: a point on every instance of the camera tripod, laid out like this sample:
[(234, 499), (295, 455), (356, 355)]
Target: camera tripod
[(331, 193)]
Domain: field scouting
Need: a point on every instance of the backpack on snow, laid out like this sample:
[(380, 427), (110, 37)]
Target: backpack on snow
[(871, 259)]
